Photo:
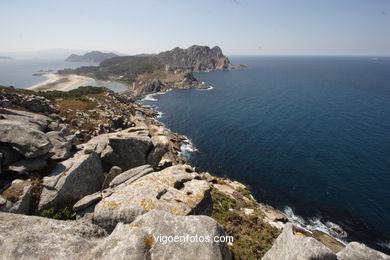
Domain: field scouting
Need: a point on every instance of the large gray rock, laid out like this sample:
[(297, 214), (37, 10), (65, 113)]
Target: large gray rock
[(357, 251), (127, 150), (9, 155), (176, 189), (26, 165), (160, 147), (293, 247), (62, 145), (32, 120), (139, 240), (71, 180), (30, 237), (114, 171), (17, 197), (131, 175), (28, 141)]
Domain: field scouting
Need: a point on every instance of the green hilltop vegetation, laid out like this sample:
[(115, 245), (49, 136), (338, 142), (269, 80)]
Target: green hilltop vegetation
[(56, 94), (123, 68)]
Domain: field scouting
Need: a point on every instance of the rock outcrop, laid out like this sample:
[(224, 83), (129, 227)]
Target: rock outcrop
[(195, 58), (24, 131), (30, 237), (359, 251), (129, 148), (139, 240), (71, 180), (17, 197), (176, 189), (289, 246), (294, 245), (32, 103)]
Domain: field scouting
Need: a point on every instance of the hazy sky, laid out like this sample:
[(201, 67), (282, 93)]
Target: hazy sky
[(237, 26)]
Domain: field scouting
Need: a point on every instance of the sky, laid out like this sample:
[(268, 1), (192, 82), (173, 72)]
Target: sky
[(239, 27)]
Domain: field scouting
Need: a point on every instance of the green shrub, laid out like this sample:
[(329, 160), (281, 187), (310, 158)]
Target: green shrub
[(60, 214), (252, 237)]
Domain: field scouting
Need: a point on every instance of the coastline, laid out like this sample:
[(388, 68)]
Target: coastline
[(60, 82), (313, 227), (233, 200)]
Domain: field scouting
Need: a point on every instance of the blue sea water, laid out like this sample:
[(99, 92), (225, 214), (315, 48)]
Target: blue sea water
[(19, 72), (309, 135)]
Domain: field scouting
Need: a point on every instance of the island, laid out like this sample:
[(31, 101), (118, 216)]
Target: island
[(146, 74), (93, 57)]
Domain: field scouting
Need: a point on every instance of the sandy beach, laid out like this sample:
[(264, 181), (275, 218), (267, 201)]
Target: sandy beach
[(60, 82)]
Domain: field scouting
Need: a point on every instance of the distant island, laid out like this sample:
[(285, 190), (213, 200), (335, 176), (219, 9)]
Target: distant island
[(93, 57), (5, 58), (145, 74)]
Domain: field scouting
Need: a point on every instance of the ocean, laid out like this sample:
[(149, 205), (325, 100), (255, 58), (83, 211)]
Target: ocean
[(309, 135), (19, 72)]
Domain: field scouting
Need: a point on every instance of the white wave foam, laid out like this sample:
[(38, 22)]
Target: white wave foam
[(187, 148), (160, 114), (209, 88), (149, 97), (385, 244), (313, 224)]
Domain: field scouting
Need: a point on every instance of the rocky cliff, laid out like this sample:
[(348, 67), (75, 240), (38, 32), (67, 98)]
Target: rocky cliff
[(93, 56), (195, 58), (102, 162)]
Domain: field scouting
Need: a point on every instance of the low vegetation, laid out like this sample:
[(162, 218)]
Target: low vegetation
[(60, 214), (74, 93), (123, 68), (252, 237)]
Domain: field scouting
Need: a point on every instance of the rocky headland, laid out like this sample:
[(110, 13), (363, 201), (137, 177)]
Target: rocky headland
[(148, 74), (90, 174)]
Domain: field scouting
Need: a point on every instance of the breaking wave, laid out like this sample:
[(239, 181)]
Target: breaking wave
[(187, 148), (313, 224)]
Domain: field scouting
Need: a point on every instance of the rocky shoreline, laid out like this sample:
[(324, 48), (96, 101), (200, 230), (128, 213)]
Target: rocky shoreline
[(99, 157)]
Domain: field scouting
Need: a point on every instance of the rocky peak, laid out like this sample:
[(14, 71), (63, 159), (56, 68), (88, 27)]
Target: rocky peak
[(196, 58)]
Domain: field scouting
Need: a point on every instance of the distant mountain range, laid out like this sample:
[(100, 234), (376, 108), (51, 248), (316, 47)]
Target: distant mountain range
[(5, 58), (93, 56)]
